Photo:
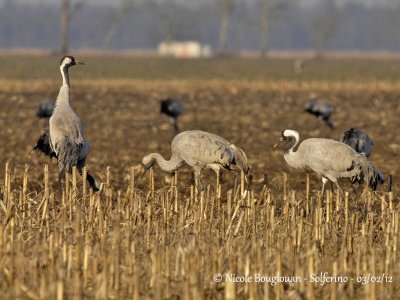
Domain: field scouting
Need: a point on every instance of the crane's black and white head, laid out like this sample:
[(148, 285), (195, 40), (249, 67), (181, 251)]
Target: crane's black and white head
[(69, 61), (289, 137)]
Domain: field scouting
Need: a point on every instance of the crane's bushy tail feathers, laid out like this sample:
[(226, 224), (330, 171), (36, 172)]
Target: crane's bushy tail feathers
[(43, 144), (68, 157), (68, 153), (241, 159), (92, 182), (369, 174)]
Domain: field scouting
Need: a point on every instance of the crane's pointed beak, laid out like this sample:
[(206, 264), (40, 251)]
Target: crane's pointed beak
[(280, 142), (79, 62), (143, 170)]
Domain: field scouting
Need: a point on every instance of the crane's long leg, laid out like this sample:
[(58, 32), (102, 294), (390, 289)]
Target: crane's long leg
[(389, 189), (338, 187), (175, 125), (248, 185), (61, 176), (197, 173), (329, 123), (89, 177), (235, 184), (217, 188), (324, 181), (61, 184)]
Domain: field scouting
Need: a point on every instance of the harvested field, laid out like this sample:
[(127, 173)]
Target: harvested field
[(139, 240)]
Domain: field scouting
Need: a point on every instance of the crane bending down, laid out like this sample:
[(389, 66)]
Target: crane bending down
[(328, 158), (173, 109), (358, 140), (320, 108), (65, 135), (200, 150)]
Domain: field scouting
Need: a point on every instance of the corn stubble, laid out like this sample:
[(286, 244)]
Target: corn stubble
[(168, 243)]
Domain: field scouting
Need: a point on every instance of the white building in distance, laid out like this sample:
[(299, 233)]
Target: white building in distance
[(184, 49)]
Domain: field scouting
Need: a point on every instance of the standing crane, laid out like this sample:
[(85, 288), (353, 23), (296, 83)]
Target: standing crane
[(173, 109), (65, 135), (362, 143), (328, 158), (320, 108), (358, 140), (200, 149)]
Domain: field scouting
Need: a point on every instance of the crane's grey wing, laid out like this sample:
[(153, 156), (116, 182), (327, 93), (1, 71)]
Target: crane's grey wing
[(318, 107), (85, 150), (325, 156), (365, 145), (334, 160), (66, 141), (67, 154), (350, 139), (358, 140), (325, 108), (202, 148), (241, 159), (65, 126)]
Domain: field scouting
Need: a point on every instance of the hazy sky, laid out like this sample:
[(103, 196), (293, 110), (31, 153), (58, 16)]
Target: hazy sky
[(304, 2)]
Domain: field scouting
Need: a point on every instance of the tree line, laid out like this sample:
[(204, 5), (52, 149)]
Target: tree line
[(228, 26)]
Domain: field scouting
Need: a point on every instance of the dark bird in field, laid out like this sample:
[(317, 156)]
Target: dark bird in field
[(173, 109), (298, 65), (320, 108), (358, 140), (328, 158), (45, 109), (362, 143), (200, 150), (65, 137)]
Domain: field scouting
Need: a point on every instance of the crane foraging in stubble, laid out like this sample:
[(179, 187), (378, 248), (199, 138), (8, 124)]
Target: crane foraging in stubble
[(64, 139), (320, 108), (173, 109), (328, 158), (358, 140), (200, 149)]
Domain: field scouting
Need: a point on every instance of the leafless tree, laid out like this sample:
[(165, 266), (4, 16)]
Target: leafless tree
[(170, 22), (226, 11), (264, 27), (268, 10), (64, 35), (123, 10), (324, 26), (66, 14)]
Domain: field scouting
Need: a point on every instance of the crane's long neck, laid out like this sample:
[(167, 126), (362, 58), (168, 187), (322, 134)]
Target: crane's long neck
[(63, 95), (65, 75), (167, 165), (293, 158)]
